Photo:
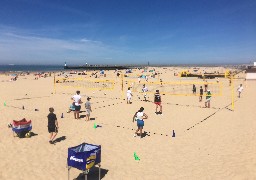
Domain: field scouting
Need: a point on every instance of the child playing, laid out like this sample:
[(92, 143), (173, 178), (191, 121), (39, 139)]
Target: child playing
[(52, 125), (88, 109)]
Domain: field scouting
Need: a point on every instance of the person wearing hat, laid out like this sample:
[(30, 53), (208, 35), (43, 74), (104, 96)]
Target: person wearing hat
[(157, 101), (208, 99), (88, 109)]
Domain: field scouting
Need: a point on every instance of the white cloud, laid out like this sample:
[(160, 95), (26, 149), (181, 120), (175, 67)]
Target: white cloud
[(15, 47)]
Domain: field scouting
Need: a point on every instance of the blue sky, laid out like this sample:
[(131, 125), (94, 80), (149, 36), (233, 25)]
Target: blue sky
[(127, 32)]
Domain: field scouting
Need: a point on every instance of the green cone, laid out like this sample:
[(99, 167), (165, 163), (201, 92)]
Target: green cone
[(136, 157)]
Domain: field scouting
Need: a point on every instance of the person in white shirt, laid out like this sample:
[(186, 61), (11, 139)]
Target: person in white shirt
[(240, 89), (139, 79), (129, 95), (77, 103), (145, 90), (139, 116)]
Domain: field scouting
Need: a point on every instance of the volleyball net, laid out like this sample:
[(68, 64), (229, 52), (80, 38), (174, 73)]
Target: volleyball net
[(82, 83), (175, 88)]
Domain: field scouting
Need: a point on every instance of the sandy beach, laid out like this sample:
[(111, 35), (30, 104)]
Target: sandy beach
[(210, 143)]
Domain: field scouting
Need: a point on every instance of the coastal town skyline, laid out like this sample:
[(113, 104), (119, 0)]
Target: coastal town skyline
[(127, 32)]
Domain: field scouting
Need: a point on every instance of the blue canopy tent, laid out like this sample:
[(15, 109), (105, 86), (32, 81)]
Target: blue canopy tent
[(84, 157)]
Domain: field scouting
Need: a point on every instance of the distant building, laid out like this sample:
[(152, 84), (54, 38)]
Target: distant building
[(251, 72)]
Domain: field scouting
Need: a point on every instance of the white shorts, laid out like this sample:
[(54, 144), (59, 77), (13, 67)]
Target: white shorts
[(208, 100), (129, 98), (88, 112)]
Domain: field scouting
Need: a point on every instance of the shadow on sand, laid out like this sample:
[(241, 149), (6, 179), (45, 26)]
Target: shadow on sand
[(93, 174), (59, 139)]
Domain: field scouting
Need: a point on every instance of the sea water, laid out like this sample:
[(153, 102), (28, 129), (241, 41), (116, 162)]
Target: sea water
[(29, 68)]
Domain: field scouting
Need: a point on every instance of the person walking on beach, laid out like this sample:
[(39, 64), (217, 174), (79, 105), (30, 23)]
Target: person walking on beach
[(145, 90), (161, 82), (201, 94), (240, 89), (139, 79), (52, 125), (194, 89), (88, 109), (77, 103), (208, 99), (139, 116), (157, 101), (205, 86), (129, 95)]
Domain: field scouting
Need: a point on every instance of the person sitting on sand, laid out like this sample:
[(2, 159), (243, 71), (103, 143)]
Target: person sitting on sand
[(88, 109), (208, 99), (139, 116), (52, 125), (157, 101), (77, 103)]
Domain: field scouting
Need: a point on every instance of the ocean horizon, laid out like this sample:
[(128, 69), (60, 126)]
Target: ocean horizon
[(26, 68), (46, 68)]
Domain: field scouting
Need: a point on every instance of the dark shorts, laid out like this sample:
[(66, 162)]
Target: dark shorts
[(52, 129), (77, 108), (140, 123), (158, 103)]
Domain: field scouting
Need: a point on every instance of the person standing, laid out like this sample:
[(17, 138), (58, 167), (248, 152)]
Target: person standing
[(139, 116), (240, 89), (145, 90), (205, 86), (208, 99), (52, 125), (77, 103), (88, 109), (201, 94), (157, 101), (129, 95), (194, 89), (161, 82), (139, 79)]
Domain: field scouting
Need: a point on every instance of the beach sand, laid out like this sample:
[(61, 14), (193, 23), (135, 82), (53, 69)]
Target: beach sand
[(210, 143)]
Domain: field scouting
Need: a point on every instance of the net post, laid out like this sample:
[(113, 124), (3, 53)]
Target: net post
[(122, 86), (99, 172), (54, 84), (232, 93)]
